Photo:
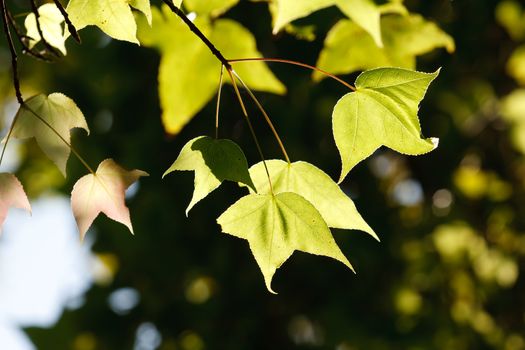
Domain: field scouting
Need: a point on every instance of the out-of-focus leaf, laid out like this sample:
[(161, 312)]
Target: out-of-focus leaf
[(348, 48), (12, 195)]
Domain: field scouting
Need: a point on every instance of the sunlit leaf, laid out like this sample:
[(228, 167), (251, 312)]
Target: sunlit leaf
[(383, 111), (103, 192), (213, 8), (348, 48), (366, 14), (51, 23), (213, 162), (61, 113), (189, 73), (287, 11), (12, 195), (113, 17), (276, 226), (144, 7), (305, 179)]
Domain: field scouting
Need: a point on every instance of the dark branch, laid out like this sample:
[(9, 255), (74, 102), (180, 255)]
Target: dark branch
[(23, 40), (51, 49), (197, 32), (14, 57), (70, 26)]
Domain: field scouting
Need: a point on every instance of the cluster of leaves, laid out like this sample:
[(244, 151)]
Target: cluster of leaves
[(292, 205)]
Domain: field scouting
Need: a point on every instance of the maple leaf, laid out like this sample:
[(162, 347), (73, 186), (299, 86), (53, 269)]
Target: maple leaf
[(11, 195), (61, 115), (276, 226), (103, 192)]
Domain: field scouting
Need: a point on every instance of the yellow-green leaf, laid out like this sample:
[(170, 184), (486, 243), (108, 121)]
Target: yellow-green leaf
[(213, 161), (366, 14), (516, 65), (383, 111), (288, 10), (61, 113), (276, 226), (113, 17), (211, 8), (189, 73), (51, 23), (305, 179), (349, 48)]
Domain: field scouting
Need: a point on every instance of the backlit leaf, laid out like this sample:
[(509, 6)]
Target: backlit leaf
[(305, 179), (61, 113), (189, 73), (103, 192), (213, 162), (113, 17), (383, 111), (51, 23), (349, 48), (276, 226), (212, 8), (12, 195)]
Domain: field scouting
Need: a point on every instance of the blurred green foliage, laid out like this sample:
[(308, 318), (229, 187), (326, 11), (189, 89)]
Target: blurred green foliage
[(448, 273)]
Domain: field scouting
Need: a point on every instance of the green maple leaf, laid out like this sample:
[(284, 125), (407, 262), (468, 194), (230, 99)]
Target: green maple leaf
[(58, 111), (349, 48), (113, 17), (276, 226), (213, 162), (383, 111), (189, 73), (310, 182)]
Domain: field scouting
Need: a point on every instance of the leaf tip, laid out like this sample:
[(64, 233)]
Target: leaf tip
[(435, 142)]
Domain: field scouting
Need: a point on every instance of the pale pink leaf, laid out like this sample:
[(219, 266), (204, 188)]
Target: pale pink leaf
[(11, 195), (103, 192)]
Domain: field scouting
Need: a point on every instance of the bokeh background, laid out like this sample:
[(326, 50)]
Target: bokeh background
[(447, 274)]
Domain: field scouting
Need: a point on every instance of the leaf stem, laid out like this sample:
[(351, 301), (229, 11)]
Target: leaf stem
[(218, 103), (295, 63), (200, 34), (266, 117), (250, 126), (73, 150)]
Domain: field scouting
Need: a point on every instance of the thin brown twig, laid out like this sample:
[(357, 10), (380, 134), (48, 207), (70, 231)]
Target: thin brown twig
[(266, 117), (250, 126), (295, 63), (218, 103)]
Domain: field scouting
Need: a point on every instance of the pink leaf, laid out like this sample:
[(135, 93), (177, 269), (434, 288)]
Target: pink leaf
[(103, 192), (11, 195)]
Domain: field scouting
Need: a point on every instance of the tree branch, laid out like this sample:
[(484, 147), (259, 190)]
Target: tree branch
[(14, 57), (200, 34)]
